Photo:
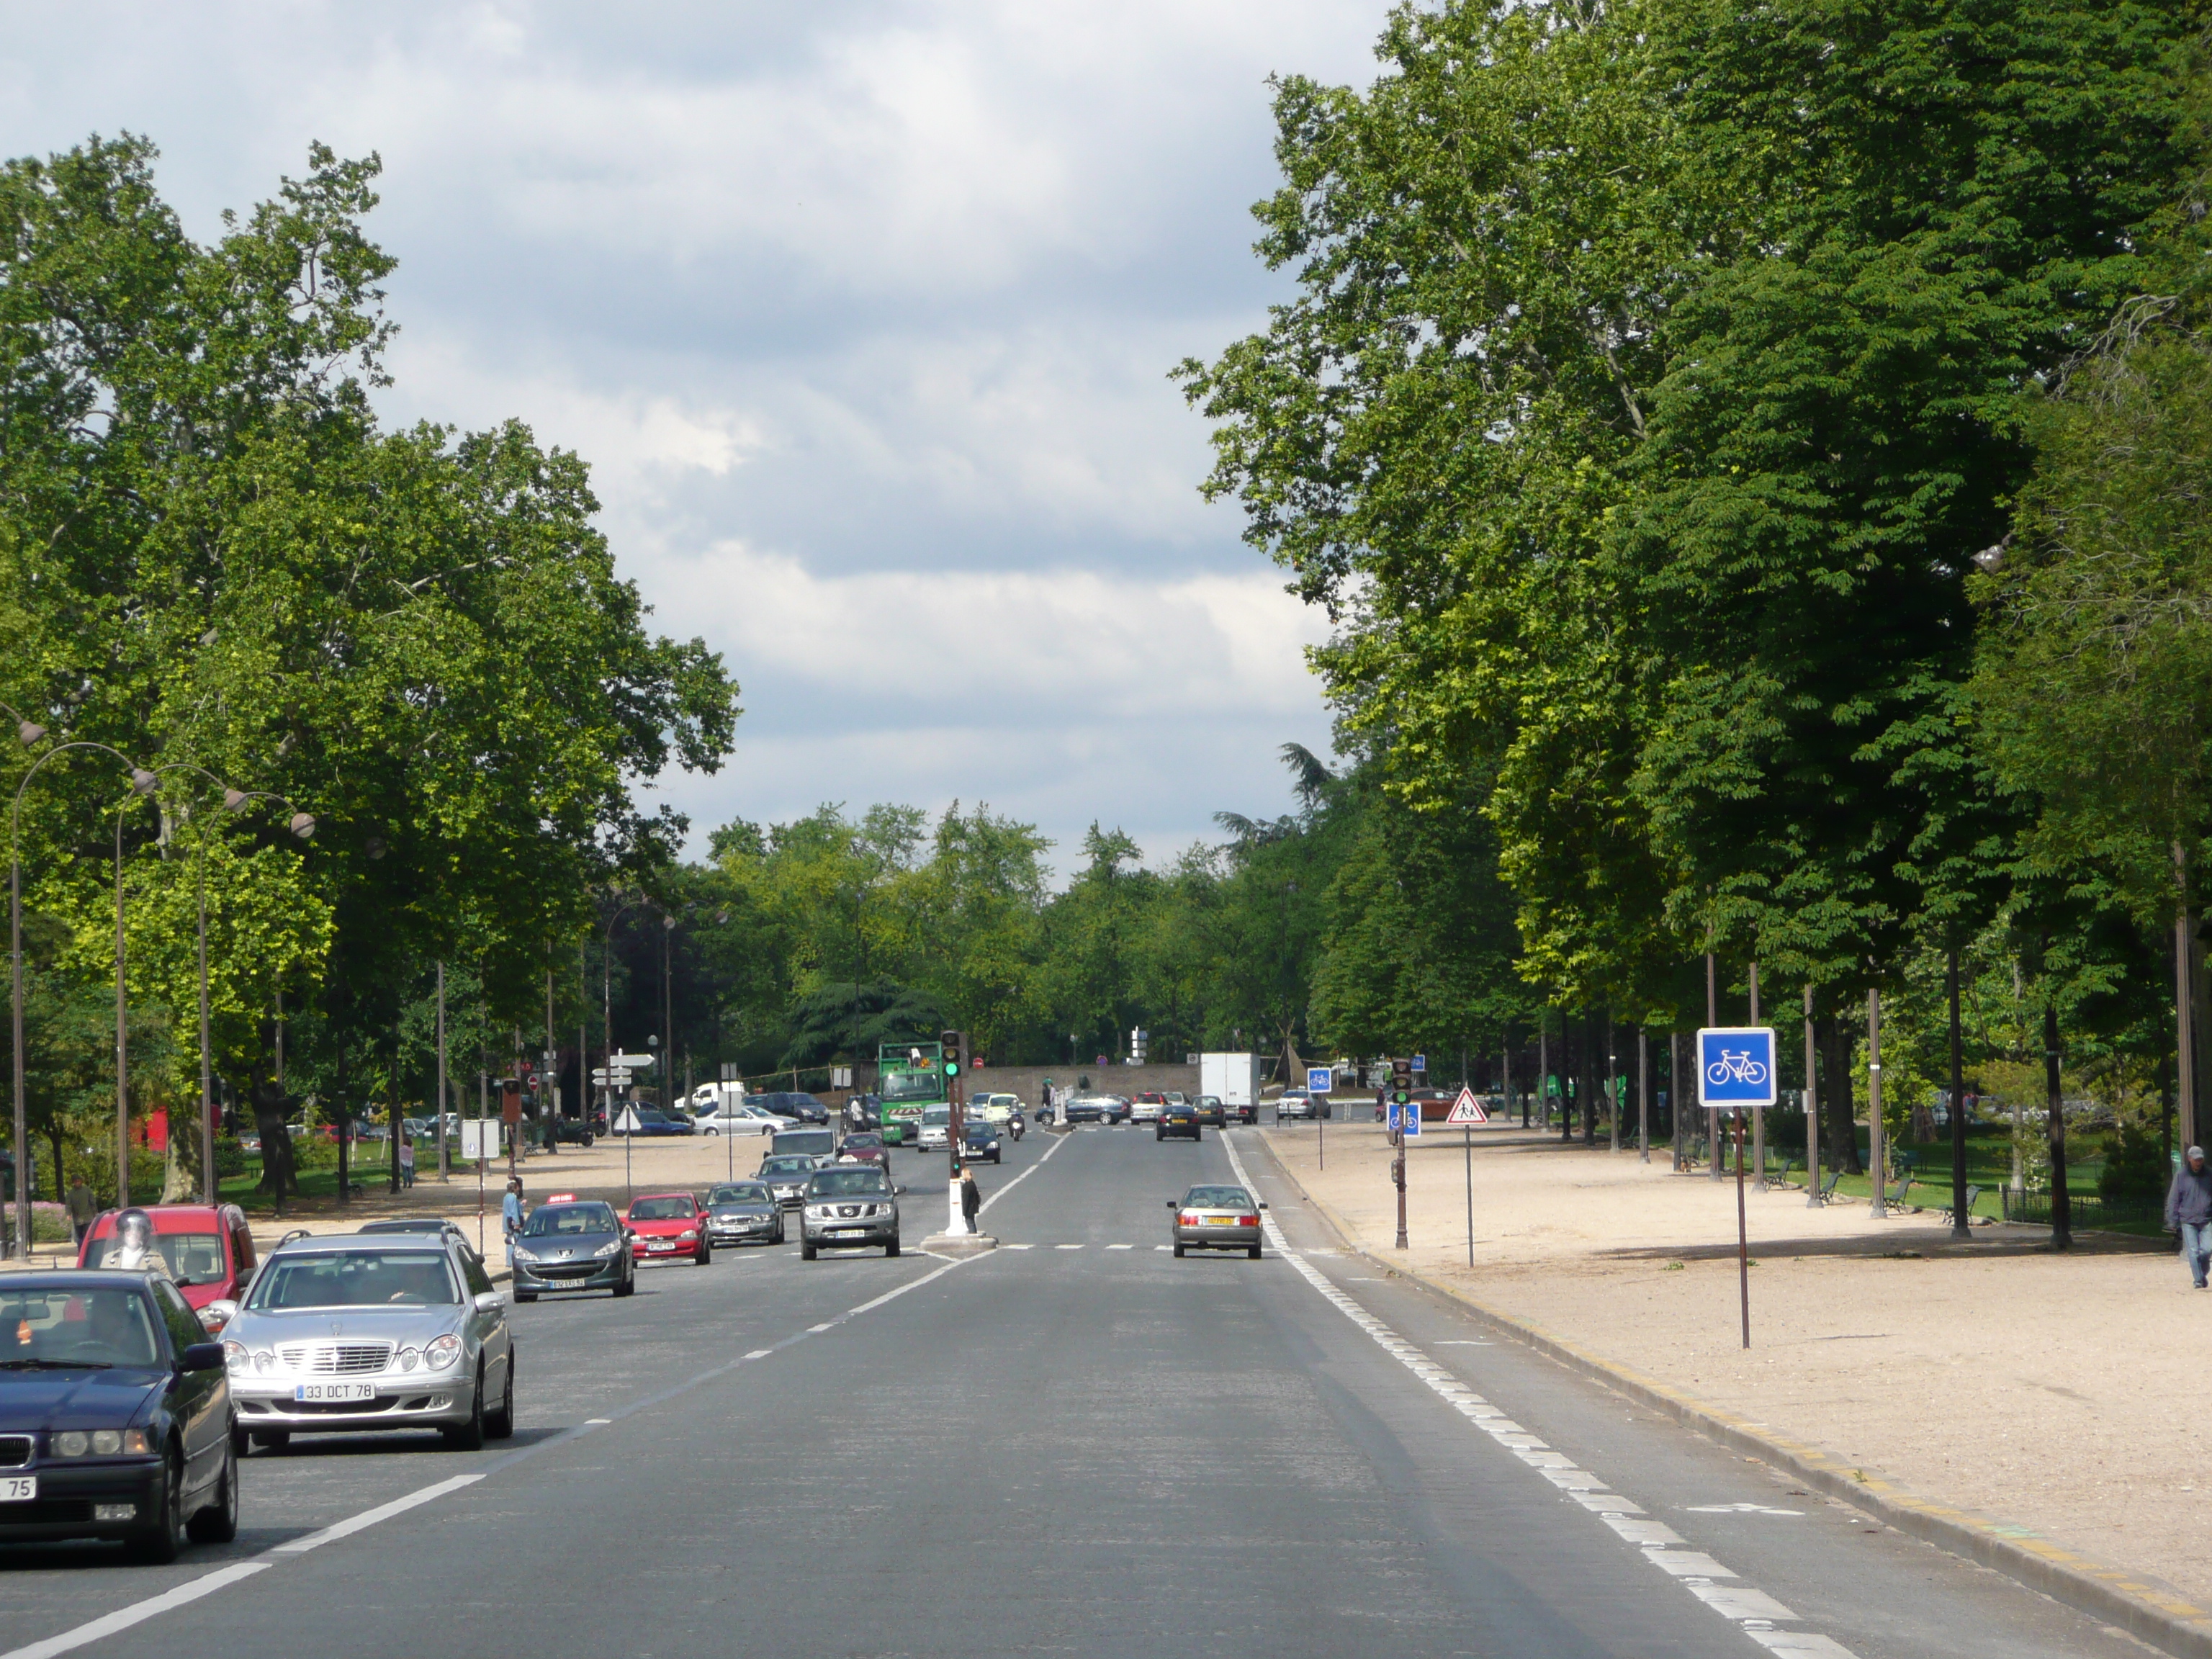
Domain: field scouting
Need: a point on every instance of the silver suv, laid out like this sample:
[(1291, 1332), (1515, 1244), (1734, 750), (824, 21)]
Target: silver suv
[(848, 1206)]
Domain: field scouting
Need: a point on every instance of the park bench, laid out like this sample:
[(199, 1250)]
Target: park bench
[(1782, 1179), (1973, 1193), (1896, 1199), (1828, 1186)]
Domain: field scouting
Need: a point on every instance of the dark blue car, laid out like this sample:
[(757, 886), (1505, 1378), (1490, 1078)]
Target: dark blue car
[(115, 1415)]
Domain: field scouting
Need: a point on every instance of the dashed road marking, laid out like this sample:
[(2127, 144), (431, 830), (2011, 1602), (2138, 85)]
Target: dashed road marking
[(1068, 1247), (1750, 1609), (1121, 1247)]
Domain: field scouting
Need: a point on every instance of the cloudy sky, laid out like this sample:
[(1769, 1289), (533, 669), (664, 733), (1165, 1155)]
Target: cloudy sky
[(862, 313)]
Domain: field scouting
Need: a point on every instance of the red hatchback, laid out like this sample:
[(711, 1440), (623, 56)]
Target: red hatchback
[(667, 1225), (207, 1248)]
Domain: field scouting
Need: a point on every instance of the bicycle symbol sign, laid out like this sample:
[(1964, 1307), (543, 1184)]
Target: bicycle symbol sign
[(1735, 1066)]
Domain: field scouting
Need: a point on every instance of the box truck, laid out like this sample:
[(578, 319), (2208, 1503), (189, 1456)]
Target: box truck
[(1235, 1079)]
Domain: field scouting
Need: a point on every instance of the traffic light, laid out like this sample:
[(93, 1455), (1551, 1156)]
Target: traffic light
[(1402, 1082), (952, 1044)]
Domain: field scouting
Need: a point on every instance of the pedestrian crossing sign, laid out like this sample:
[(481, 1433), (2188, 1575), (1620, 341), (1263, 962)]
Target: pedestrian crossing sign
[(1466, 1109)]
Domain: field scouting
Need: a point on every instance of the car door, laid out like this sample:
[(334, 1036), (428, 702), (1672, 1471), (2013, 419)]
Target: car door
[(199, 1401), (488, 1326)]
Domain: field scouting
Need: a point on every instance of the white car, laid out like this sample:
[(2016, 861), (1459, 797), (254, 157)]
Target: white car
[(738, 1120), (936, 1128), (1147, 1108), (994, 1108)]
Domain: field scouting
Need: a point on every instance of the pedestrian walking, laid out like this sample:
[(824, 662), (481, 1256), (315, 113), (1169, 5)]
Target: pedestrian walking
[(2189, 1213), (83, 1208), (971, 1197), (406, 1159), (510, 1216)]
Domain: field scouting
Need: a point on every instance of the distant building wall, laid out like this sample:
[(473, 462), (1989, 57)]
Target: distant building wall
[(1028, 1081)]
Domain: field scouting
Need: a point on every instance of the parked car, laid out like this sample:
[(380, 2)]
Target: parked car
[(785, 1175), (795, 1104), (351, 1334), (1297, 1104), (849, 1209), (115, 1415), (1147, 1107), (206, 1250), (1180, 1119), (647, 1120), (744, 1212), (1216, 1218), (665, 1225), (713, 1119), (576, 1245), (979, 1141)]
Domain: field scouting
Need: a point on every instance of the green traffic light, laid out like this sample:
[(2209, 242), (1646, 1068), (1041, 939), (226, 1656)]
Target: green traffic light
[(952, 1067)]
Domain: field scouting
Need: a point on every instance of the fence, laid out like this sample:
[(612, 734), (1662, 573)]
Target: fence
[(2088, 1212)]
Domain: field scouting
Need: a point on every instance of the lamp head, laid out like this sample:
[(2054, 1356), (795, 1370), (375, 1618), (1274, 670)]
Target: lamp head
[(30, 731), (143, 781), (303, 824), (233, 799)]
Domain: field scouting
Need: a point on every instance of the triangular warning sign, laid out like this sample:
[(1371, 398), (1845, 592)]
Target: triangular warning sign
[(1466, 1109)]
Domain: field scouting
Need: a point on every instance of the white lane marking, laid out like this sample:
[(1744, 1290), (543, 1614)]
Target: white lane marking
[(1017, 1247), (1738, 1509), (1696, 1571), (1163, 1247), (1024, 1174), (1121, 1247), (122, 1618), (1068, 1247), (600, 1422), (366, 1518)]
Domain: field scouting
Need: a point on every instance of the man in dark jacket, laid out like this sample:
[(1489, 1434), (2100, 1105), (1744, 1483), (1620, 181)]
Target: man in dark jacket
[(971, 1197), (2189, 1213)]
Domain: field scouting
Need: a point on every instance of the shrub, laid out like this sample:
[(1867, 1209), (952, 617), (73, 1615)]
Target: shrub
[(2136, 1171)]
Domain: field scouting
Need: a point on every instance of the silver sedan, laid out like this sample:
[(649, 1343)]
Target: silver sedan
[(1217, 1218), (340, 1335)]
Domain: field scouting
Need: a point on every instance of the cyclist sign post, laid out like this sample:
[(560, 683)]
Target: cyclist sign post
[(1735, 1069)]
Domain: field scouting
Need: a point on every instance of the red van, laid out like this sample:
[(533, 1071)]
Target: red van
[(209, 1248)]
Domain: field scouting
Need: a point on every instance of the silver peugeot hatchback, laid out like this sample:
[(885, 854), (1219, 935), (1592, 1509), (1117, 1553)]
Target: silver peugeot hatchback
[(338, 1336)]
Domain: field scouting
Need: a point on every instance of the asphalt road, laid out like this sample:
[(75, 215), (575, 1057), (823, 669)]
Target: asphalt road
[(1076, 1444)]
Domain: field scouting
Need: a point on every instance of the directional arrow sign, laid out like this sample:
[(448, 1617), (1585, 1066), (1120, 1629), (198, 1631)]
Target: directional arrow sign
[(634, 1062), (1466, 1109), (620, 1075)]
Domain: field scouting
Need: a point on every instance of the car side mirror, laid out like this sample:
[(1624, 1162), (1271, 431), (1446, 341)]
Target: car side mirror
[(899, 1189), (1172, 1204), (1263, 1203), (216, 1314), (488, 1302), (201, 1356)]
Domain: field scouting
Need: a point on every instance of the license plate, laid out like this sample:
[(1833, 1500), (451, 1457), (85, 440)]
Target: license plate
[(305, 1391), (659, 1245), (1220, 1221), (19, 1488), (847, 1232)]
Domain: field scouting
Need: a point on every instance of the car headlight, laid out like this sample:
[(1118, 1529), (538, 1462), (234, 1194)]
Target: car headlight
[(234, 1357), (612, 1247), (522, 1254), (263, 1360), (818, 1212), (408, 1358), (688, 1236), (444, 1352), (100, 1442)]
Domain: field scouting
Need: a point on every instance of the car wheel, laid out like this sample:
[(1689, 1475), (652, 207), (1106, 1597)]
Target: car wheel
[(218, 1523), (500, 1424), (1255, 1252), (240, 1440), (1179, 1247), (807, 1249), (158, 1545), (628, 1284), (588, 1137), (703, 1256), (273, 1439), (469, 1436), (891, 1248)]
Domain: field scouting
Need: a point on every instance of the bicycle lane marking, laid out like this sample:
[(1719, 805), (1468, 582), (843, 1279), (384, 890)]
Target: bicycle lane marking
[(190, 1591), (1751, 1610)]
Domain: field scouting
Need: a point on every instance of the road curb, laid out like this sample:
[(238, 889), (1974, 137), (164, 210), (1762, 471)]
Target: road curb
[(2145, 1607)]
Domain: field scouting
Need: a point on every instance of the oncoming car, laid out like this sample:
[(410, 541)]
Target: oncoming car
[(576, 1245), (855, 1205), (1216, 1218), (742, 1210), (114, 1415), (785, 1175), (340, 1335), (664, 1225)]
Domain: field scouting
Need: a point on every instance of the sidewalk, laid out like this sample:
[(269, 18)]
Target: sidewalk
[(2056, 1392)]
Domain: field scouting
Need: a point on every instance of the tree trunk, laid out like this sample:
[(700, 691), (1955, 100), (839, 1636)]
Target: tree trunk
[(280, 1176), (1593, 1070), (2062, 1219), (1961, 1224), (1838, 1108)]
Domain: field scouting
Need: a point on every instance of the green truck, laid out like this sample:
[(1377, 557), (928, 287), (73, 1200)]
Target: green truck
[(908, 1077)]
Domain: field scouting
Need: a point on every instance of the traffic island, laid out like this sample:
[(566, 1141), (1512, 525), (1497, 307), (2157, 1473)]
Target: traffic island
[(958, 1246)]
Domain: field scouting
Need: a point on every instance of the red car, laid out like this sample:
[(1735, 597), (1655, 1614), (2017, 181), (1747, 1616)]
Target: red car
[(669, 1224), (207, 1249)]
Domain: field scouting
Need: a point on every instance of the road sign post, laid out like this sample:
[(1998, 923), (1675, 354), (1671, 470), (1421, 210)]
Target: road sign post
[(1320, 1083), (1466, 1112), (1736, 1072)]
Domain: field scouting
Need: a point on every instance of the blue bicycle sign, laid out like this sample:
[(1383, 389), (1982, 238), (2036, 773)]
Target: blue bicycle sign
[(1735, 1066)]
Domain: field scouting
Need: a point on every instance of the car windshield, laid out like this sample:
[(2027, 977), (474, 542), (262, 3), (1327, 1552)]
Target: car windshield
[(661, 1209), (982, 1131), (861, 1143), (743, 1192), (355, 1279), (192, 1258), (1217, 1198), (792, 1165), (570, 1218), (910, 1085), (1209, 1100), (847, 1183), (109, 1326)]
